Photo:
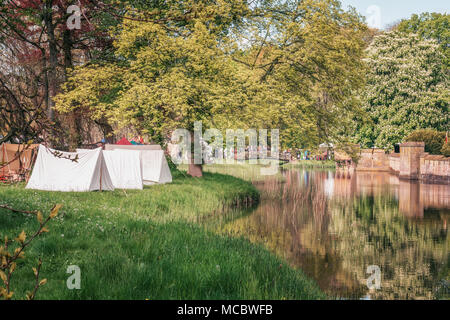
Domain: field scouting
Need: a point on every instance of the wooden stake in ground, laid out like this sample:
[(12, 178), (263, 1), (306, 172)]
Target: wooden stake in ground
[(101, 172)]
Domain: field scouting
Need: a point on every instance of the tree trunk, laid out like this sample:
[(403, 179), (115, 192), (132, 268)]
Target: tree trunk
[(76, 126), (53, 60), (195, 170)]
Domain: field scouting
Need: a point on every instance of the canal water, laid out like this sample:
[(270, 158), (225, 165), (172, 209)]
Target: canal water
[(334, 225)]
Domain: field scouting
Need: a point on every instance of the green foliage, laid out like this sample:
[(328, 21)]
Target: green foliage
[(166, 75), (430, 26), (407, 89), (446, 149), (12, 253), (309, 66), (287, 65), (433, 139)]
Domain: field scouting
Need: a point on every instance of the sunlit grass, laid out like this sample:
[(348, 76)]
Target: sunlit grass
[(246, 171), (149, 244)]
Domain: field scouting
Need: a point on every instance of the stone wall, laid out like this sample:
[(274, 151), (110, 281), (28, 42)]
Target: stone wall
[(373, 160), (394, 162), (435, 169), (412, 163)]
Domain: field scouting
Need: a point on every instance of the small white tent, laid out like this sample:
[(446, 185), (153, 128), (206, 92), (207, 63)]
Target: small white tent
[(124, 167), (61, 173), (155, 169)]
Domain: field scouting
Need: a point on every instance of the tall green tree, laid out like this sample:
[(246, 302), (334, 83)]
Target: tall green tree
[(167, 74), (430, 26), (291, 65), (308, 56), (407, 89)]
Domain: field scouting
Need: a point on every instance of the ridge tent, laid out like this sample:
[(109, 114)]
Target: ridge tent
[(9, 152), (53, 173), (155, 168), (124, 167)]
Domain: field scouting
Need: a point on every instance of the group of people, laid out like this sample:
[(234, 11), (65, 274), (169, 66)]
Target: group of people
[(298, 154)]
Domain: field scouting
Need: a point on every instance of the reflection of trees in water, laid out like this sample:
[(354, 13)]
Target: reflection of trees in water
[(334, 226), (293, 222), (412, 255)]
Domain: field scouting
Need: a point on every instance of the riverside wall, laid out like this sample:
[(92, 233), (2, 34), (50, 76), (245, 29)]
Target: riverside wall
[(412, 163)]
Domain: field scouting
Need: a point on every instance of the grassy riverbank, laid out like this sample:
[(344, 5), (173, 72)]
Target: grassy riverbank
[(328, 164), (148, 244), (246, 171)]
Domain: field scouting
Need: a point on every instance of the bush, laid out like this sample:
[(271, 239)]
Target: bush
[(434, 140), (446, 149)]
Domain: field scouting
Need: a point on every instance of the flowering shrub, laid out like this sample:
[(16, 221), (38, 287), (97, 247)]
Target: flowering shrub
[(434, 140), (407, 89)]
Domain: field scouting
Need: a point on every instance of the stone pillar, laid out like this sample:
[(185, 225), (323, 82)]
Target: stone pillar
[(409, 200), (410, 153)]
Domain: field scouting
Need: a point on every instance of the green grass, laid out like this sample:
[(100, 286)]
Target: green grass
[(149, 244), (310, 164), (245, 171)]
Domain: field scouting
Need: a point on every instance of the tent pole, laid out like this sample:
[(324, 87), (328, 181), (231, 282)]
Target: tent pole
[(101, 171)]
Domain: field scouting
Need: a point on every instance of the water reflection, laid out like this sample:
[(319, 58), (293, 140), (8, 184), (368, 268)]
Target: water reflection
[(335, 224)]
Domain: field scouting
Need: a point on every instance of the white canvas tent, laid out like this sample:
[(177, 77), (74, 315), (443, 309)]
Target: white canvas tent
[(53, 173), (124, 167), (154, 166)]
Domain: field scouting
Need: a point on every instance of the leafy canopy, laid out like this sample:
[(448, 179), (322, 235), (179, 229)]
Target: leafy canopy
[(430, 26), (407, 89), (291, 65)]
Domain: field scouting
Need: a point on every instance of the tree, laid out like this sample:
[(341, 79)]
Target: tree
[(434, 140), (407, 89), (38, 24), (446, 149), (34, 33), (170, 70), (430, 26), (308, 57), (22, 117), (291, 65)]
